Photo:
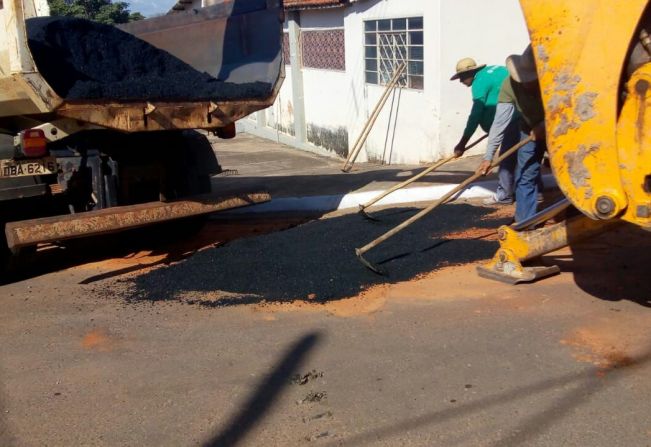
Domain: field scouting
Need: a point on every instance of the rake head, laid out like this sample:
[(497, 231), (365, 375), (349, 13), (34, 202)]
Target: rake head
[(367, 216), (369, 265)]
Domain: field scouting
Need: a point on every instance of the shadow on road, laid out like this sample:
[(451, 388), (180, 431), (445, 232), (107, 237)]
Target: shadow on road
[(613, 266), (316, 261), (583, 386), (160, 244), (266, 394)]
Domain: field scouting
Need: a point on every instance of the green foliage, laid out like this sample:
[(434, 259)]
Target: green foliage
[(103, 11)]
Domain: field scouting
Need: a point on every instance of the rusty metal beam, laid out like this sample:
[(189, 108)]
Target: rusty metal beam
[(26, 233)]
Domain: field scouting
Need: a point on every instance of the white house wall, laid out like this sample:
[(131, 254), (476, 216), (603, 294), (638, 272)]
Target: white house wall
[(327, 109), (416, 129), (280, 116)]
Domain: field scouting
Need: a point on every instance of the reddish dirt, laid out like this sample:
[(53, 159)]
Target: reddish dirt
[(501, 212), (610, 342), (472, 233), (366, 303), (453, 279), (98, 340)]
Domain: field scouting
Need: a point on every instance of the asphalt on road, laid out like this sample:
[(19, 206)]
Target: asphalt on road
[(317, 259), (445, 358)]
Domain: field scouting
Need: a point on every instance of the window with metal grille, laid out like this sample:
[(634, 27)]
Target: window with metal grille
[(388, 44)]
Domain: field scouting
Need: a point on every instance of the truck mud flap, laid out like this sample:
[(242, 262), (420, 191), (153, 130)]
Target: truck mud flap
[(30, 232)]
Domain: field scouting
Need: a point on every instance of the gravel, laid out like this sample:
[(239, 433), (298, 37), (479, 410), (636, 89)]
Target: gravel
[(315, 261), (84, 60)]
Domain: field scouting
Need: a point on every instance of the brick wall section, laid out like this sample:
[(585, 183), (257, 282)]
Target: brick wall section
[(324, 49), (305, 4), (286, 57)]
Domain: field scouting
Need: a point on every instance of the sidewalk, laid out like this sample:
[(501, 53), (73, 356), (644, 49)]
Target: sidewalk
[(301, 181)]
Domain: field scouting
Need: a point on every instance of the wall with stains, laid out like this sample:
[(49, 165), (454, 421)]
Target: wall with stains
[(280, 116)]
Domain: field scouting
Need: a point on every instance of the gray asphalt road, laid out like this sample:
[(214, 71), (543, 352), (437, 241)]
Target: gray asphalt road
[(428, 358)]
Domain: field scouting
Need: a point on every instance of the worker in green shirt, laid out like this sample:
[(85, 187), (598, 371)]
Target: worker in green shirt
[(485, 82)]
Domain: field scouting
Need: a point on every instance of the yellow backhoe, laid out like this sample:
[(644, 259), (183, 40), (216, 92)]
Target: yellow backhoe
[(592, 58)]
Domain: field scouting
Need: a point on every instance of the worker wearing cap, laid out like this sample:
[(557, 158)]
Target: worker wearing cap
[(485, 82), (520, 98)]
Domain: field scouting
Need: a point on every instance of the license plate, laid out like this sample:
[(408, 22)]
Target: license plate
[(22, 168)]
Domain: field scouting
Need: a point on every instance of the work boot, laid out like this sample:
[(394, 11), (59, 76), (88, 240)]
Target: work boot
[(493, 200)]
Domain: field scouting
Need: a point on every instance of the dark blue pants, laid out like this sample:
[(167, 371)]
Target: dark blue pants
[(506, 173), (527, 179)]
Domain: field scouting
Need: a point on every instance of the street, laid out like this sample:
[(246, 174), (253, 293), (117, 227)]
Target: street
[(267, 331)]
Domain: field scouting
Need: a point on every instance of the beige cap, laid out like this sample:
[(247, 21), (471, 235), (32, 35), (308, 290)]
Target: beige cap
[(466, 65), (522, 67)]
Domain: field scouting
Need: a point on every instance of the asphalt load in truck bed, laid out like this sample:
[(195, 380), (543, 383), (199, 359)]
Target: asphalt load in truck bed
[(84, 60)]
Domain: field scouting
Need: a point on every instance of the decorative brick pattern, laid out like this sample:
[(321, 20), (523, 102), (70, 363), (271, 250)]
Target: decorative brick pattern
[(307, 4), (325, 50), (286, 49)]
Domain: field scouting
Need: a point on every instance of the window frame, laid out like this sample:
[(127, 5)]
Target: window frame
[(385, 44)]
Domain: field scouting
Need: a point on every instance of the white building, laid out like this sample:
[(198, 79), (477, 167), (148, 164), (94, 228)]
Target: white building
[(339, 53)]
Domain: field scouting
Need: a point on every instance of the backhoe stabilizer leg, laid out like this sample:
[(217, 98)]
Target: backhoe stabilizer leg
[(517, 247), (505, 267)]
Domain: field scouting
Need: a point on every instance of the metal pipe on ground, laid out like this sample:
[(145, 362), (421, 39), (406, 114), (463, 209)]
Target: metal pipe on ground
[(26, 233), (438, 164), (368, 126), (361, 251)]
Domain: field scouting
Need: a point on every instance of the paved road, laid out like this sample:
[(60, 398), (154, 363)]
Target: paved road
[(432, 355), (287, 172)]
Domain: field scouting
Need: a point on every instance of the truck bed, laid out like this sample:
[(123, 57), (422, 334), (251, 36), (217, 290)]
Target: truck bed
[(204, 68)]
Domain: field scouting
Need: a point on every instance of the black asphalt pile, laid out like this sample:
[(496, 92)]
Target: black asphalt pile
[(315, 261), (84, 60)]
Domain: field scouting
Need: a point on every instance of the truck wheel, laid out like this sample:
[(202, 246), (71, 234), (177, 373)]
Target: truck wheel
[(192, 163)]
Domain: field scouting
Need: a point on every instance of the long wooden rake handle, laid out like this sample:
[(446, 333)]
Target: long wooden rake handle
[(442, 200), (361, 139), (418, 176)]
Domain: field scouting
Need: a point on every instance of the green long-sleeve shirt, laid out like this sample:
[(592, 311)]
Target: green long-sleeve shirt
[(485, 91)]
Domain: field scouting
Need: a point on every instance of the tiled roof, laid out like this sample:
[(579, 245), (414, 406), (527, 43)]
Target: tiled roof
[(312, 4), (182, 5)]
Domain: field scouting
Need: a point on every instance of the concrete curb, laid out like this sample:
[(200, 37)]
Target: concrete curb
[(351, 200)]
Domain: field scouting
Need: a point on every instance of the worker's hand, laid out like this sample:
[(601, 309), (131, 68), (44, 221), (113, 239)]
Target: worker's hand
[(459, 149), (538, 132), (484, 167)]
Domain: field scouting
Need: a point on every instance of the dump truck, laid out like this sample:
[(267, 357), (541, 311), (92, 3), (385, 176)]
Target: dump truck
[(99, 124)]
